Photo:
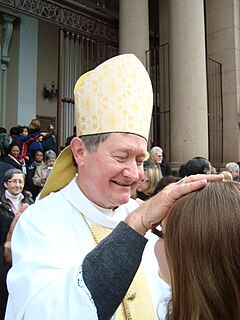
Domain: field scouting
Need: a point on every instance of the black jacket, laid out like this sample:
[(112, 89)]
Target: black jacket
[(4, 167), (6, 217)]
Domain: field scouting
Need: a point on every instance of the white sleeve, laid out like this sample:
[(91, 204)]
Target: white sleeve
[(45, 281)]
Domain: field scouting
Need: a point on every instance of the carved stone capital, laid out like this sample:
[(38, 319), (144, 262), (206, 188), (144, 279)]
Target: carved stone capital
[(6, 38)]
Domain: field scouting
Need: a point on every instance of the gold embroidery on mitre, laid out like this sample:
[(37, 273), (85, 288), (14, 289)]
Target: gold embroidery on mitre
[(120, 85)]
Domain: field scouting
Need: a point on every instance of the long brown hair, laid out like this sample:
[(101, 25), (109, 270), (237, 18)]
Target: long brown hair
[(202, 240)]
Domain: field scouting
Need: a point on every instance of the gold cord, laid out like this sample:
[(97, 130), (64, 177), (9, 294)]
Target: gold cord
[(90, 229)]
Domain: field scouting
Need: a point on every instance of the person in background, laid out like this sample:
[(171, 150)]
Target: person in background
[(24, 139), (43, 170), (50, 139), (148, 183), (227, 175), (5, 140), (13, 200), (156, 159), (37, 143), (14, 157), (31, 169), (69, 139), (181, 170), (197, 165), (34, 126), (3, 168), (233, 168), (14, 132), (165, 181), (22, 132)]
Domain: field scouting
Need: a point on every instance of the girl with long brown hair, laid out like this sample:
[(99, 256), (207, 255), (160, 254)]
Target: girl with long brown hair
[(201, 245)]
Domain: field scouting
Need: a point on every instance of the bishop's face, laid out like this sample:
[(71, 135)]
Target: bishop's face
[(110, 175)]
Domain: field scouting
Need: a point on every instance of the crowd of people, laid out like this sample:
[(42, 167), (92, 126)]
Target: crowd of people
[(25, 165), (21, 147), (101, 231)]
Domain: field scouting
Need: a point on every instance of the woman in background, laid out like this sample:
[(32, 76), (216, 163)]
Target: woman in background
[(14, 157), (148, 183), (31, 169), (42, 172), (13, 200)]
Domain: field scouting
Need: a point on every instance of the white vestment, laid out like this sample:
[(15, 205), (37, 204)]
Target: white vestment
[(49, 244)]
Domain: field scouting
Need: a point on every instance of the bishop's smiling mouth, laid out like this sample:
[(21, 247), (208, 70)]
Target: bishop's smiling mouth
[(122, 184)]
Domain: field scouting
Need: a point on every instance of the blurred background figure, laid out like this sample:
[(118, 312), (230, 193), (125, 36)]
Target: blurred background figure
[(233, 168), (3, 168), (69, 139), (148, 183), (5, 140), (13, 199), (42, 171), (181, 170), (162, 183), (31, 169), (24, 139), (227, 175), (34, 144), (14, 132), (197, 165), (156, 159), (34, 126), (14, 157), (50, 139)]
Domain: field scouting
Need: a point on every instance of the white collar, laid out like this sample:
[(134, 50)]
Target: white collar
[(13, 198), (106, 217)]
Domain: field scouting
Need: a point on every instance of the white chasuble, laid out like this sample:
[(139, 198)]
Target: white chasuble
[(50, 242)]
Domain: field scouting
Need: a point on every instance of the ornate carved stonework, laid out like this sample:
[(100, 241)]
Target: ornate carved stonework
[(69, 15), (6, 37)]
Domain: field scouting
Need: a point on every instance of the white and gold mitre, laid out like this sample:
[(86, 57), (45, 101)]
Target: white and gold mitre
[(114, 97)]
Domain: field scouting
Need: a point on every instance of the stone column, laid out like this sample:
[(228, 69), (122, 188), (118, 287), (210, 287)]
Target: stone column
[(188, 87), (7, 28), (134, 28), (28, 62)]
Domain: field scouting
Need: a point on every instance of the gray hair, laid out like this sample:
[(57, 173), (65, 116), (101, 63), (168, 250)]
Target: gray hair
[(92, 141), (155, 149), (10, 173), (50, 154), (233, 165)]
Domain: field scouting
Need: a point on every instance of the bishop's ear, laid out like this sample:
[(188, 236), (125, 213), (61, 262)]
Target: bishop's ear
[(78, 149)]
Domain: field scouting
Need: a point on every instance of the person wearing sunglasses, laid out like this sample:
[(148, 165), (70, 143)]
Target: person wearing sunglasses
[(13, 200)]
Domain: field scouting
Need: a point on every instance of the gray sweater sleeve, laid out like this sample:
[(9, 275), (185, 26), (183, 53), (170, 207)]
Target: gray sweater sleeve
[(109, 269)]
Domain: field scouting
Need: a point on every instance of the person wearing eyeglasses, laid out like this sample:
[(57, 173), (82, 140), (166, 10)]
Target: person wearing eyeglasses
[(156, 159), (13, 201), (233, 168)]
